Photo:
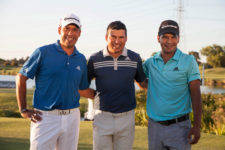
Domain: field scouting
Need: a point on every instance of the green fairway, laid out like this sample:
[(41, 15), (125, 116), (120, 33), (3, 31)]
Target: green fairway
[(9, 107), (214, 73), (14, 135)]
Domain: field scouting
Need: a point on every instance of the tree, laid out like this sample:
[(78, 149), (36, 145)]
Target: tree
[(26, 58), (21, 61), (215, 55), (14, 62), (196, 55), (6, 63), (2, 61)]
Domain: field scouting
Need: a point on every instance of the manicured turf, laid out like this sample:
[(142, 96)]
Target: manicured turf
[(14, 135)]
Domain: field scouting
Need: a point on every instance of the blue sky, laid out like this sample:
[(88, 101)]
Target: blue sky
[(28, 24)]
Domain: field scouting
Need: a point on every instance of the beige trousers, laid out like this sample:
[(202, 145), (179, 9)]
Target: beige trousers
[(113, 131)]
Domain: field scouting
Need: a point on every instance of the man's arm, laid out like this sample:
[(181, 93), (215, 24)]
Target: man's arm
[(21, 91), (197, 110), (143, 85), (88, 93), (21, 99)]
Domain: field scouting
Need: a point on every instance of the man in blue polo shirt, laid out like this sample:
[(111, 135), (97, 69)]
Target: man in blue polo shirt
[(173, 86), (115, 68), (59, 71)]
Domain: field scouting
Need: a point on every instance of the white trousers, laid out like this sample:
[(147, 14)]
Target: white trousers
[(56, 132)]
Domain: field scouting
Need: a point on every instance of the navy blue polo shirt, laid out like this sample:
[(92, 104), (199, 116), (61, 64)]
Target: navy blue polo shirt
[(115, 80), (58, 77)]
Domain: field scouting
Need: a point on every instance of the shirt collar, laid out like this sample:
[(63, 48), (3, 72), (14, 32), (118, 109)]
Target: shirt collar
[(59, 48), (175, 56), (157, 55), (106, 53)]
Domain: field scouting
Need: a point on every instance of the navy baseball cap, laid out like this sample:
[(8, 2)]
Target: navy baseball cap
[(169, 26)]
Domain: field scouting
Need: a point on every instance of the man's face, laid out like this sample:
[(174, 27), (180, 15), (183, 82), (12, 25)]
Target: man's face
[(168, 42), (69, 35), (116, 40)]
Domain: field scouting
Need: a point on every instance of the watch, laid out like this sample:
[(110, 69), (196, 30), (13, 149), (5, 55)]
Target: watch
[(23, 110)]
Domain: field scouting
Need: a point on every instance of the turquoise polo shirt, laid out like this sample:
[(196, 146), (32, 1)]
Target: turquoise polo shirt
[(168, 94)]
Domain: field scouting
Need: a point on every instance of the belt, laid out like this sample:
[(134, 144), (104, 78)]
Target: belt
[(58, 111), (112, 114), (172, 121)]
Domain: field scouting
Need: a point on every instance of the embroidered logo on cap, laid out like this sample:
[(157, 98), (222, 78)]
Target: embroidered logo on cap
[(167, 26)]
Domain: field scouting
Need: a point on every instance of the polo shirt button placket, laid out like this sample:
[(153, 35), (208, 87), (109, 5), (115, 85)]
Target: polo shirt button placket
[(68, 60), (115, 63)]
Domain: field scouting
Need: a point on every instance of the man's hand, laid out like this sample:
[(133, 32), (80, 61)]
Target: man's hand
[(33, 115), (194, 135), (143, 85), (88, 93)]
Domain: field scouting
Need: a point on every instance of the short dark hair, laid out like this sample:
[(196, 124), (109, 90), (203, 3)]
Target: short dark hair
[(117, 25)]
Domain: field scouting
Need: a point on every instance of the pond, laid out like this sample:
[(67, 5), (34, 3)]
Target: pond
[(204, 89)]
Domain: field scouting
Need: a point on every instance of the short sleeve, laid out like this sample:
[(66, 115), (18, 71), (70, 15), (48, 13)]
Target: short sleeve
[(32, 65), (145, 68), (193, 70), (140, 76), (90, 70), (84, 79)]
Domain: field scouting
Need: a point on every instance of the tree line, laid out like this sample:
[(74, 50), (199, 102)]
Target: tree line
[(13, 62), (215, 57)]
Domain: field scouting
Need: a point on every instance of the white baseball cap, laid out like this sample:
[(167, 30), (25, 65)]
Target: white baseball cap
[(70, 19)]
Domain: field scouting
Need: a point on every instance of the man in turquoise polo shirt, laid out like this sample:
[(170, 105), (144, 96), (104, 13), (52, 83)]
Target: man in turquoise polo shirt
[(173, 90)]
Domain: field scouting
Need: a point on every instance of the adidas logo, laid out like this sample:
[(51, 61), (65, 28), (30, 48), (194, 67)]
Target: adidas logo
[(26, 70), (127, 58), (78, 67), (176, 69)]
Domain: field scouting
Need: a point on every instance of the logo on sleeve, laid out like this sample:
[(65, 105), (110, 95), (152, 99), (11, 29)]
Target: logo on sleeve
[(25, 70)]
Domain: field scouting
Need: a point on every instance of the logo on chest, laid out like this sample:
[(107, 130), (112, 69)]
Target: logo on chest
[(78, 68)]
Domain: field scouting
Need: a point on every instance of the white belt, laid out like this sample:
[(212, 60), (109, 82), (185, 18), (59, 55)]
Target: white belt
[(58, 111), (113, 114)]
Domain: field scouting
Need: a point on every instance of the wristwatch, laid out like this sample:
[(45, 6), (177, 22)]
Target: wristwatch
[(23, 110)]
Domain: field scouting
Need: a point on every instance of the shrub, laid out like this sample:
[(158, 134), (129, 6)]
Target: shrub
[(141, 117), (213, 110)]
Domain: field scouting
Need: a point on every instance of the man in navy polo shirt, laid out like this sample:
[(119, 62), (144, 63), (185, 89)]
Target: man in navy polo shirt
[(115, 68), (59, 71), (173, 87)]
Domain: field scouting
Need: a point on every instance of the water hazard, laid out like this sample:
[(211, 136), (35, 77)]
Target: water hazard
[(31, 84)]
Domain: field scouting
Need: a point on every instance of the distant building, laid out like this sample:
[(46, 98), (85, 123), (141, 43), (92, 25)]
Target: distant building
[(7, 84)]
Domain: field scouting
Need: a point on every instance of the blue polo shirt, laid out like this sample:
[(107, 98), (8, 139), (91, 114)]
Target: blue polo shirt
[(115, 80), (168, 91), (58, 77)]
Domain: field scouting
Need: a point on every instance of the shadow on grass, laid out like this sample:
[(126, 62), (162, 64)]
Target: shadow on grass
[(138, 148), (14, 144), (83, 146), (90, 147), (23, 144)]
